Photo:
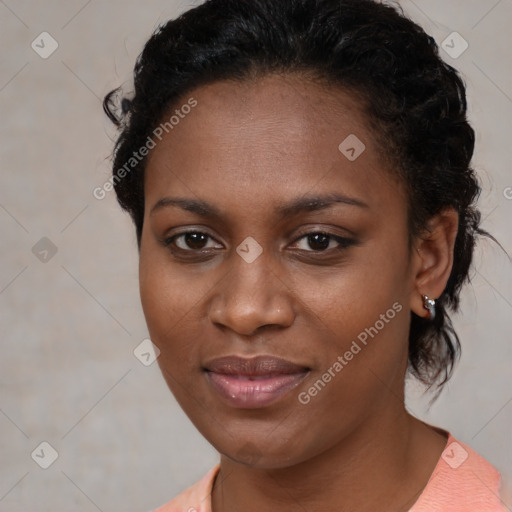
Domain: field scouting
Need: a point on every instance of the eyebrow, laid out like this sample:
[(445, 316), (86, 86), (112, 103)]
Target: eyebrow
[(294, 207), (316, 203)]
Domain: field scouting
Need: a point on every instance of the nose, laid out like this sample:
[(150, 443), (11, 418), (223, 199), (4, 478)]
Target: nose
[(252, 296)]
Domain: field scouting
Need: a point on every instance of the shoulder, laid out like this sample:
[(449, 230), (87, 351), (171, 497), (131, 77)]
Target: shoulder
[(463, 481), (196, 498)]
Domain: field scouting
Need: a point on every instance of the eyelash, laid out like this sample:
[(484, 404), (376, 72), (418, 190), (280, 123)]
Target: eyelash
[(343, 242)]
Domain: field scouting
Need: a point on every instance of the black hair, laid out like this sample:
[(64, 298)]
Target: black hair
[(415, 102)]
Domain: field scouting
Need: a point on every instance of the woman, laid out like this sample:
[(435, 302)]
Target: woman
[(298, 173)]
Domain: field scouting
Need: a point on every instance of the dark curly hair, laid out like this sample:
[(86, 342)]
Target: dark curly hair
[(414, 101)]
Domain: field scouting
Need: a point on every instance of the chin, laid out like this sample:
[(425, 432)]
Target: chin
[(262, 454)]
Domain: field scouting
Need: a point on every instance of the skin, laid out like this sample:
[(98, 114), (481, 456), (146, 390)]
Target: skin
[(245, 149)]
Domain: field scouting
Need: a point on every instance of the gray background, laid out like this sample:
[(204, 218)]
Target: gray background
[(68, 326)]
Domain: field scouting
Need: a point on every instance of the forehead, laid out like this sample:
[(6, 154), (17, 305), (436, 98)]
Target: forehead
[(296, 99), (266, 139)]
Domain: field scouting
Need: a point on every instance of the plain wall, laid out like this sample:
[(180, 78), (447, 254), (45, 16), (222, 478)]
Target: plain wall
[(68, 326)]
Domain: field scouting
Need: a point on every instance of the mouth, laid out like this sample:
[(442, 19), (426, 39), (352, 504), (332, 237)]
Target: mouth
[(253, 383)]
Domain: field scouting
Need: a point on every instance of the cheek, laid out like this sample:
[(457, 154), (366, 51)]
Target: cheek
[(160, 303), (171, 328), (174, 306), (361, 315), (165, 297), (362, 367), (351, 297)]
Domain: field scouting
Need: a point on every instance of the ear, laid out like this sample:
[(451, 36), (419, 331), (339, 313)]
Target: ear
[(433, 258)]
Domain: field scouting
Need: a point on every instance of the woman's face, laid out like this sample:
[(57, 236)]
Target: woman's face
[(257, 167)]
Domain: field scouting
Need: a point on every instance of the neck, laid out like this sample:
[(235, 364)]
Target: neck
[(384, 464)]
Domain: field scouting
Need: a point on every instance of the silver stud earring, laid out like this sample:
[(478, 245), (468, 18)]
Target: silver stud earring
[(430, 304)]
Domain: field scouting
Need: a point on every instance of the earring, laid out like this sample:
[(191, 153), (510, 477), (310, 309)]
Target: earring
[(430, 304)]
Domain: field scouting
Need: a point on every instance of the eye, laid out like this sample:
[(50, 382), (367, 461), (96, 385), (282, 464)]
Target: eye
[(320, 241), (191, 241)]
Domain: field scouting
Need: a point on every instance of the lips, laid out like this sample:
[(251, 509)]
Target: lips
[(255, 382)]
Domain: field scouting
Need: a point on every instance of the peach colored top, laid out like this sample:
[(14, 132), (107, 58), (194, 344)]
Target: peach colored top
[(462, 481)]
